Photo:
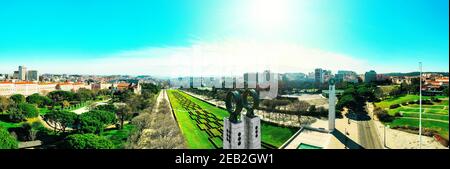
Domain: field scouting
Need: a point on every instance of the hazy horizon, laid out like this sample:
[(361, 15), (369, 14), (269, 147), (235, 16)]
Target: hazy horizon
[(223, 38)]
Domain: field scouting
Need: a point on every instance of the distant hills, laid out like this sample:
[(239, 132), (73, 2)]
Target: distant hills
[(414, 73)]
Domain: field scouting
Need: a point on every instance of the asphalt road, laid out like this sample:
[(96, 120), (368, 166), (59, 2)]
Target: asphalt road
[(368, 136)]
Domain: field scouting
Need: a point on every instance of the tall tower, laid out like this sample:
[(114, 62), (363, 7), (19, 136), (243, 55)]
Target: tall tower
[(332, 105), (22, 73)]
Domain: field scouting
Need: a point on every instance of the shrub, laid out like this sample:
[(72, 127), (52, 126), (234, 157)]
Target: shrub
[(383, 115), (87, 141), (29, 110), (39, 100), (6, 140), (394, 106), (17, 98)]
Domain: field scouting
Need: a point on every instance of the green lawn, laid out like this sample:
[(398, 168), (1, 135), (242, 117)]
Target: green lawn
[(398, 100), (276, 135), (198, 139), (434, 116), (7, 125), (440, 127), (119, 137)]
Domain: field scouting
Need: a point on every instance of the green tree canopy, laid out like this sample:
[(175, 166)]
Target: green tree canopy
[(58, 96), (39, 100), (87, 141), (18, 98), (63, 118), (95, 121), (6, 140), (29, 110)]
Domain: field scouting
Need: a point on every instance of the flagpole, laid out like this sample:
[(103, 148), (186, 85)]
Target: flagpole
[(420, 107)]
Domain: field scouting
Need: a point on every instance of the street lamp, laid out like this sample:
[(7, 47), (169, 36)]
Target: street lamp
[(420, 106)]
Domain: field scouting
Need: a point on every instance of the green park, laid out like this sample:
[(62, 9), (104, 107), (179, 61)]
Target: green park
[(202, 123), (405, 112)]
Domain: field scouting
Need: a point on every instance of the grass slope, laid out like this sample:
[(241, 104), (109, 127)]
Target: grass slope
[(197, 139)]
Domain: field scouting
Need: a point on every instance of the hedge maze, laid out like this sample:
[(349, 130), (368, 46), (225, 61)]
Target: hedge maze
[(206, 121)]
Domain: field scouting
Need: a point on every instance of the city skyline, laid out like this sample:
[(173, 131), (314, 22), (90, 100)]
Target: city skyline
[(232, 37)]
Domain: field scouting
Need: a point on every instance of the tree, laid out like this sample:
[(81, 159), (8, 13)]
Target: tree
[(18, 98), (59, 95), (87, 141), (94, 121), (29, 110), (39, 100), (89, 124), (445, 91), (346, 101), (30, 131), (124, 113), (62, 118), (300, 108), (6, 140), (106, 107), (16, 114), (84, 95), (5, 103)]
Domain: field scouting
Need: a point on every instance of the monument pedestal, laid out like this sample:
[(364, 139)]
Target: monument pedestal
[(253, 132), (233, 135)]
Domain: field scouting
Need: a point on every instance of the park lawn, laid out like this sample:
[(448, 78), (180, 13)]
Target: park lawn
[(399, 100), (275, 135), (197, 139), (7, 125), (119, 137), (426, 116), (440, 127)]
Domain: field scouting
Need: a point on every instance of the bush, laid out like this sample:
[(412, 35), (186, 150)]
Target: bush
[(39, 100), (17, 98), (87, 141), (29, 110), (6, 140), (89, 124), (394, 106), (383, 115)]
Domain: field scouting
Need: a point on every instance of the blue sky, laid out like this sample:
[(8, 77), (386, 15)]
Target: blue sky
[(156, 37)]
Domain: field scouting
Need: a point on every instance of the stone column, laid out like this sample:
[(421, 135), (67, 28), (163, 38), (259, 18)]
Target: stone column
[(233, 135), (253, 132)]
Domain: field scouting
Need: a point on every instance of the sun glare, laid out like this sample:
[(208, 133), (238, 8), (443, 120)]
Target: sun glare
[(270, 15)]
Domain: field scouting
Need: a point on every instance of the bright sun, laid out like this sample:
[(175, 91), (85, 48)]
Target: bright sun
[(269, 15)]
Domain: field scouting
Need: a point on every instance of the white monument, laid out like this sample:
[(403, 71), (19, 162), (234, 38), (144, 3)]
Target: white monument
[(253, 132), (332, 106), (234, 135), (242, 132)]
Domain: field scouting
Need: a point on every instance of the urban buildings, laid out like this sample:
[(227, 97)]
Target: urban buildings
[(370, 76), (22, 73), (32, 75), (346, 76)]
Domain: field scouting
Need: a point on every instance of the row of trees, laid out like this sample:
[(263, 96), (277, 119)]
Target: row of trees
[(156, 130), (355, 97), (287, 109), (124, 105)]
